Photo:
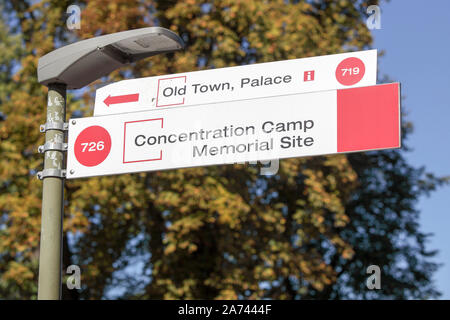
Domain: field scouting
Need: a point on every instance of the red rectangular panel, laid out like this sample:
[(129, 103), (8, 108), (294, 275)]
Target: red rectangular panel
[(368, 118)]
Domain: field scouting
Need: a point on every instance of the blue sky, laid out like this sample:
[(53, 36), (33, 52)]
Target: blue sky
[(415, 36)]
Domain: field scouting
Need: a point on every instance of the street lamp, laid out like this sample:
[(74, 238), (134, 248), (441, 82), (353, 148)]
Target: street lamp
[(78, 64), (72, 67)]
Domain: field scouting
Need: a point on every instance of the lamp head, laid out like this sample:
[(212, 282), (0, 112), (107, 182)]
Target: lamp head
[(83, 62)]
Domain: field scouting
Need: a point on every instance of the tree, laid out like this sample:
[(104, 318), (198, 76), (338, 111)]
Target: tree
[(223, 231)]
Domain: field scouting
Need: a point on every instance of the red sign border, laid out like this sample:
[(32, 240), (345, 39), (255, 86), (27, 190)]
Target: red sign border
[(124, 135), (157, 93)]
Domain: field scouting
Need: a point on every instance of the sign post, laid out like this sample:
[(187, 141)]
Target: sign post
[(229, 115), (296, 125), (52, 195)]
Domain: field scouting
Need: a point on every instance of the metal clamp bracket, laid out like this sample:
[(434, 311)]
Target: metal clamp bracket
[(61, 126), (53, 146), (54, 173)]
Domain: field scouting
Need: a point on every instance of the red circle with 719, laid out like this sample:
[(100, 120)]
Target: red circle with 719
[(350, 71), (92, 146)]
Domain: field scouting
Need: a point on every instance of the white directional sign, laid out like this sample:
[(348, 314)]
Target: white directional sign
[(355, 69), (295, 125)]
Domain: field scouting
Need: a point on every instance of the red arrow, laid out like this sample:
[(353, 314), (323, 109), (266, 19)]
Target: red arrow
[(121, 99)]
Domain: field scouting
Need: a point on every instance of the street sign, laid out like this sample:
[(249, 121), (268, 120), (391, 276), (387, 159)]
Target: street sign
[(355, 69), (296, 125)]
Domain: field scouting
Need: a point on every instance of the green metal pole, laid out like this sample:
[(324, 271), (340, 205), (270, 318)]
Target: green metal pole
[(50, 258)]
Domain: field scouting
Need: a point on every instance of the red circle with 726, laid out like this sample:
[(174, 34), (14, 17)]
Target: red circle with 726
[(350, 71), (92, 146)]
